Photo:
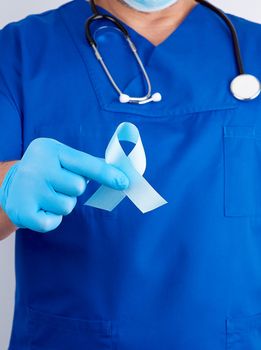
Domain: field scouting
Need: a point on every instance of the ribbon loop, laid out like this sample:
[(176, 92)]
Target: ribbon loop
[(140, 192)]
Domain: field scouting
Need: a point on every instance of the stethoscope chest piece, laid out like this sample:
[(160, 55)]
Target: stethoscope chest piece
[(245, 87)]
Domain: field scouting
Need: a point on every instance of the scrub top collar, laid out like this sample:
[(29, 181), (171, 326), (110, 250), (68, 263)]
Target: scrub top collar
[(190, 67), (142, 42)]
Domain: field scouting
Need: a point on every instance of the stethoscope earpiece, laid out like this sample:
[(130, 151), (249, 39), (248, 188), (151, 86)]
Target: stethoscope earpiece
[(124, 98), (156, 97), (245, 87)]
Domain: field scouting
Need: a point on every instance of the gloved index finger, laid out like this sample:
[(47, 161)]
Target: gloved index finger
[(92, 167)]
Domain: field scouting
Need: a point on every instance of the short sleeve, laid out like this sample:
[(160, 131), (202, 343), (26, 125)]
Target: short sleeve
[(10, 100)]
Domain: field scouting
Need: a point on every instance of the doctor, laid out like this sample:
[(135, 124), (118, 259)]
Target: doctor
[(185, 276)]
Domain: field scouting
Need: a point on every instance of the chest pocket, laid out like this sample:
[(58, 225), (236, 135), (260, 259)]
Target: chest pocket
[(242, 157)]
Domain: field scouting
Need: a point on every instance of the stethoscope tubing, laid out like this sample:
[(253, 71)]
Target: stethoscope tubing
[(239, 86), (233, 31)]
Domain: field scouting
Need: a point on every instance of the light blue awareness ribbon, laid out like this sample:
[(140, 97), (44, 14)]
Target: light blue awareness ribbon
[(140, 192)]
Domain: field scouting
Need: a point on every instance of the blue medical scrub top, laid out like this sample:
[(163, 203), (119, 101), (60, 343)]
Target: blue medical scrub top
[(184, 276)]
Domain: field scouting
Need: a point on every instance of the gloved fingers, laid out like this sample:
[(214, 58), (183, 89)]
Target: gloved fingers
[(35, 219), (44, 221), (57, 203), (68, 183), (31, 217), (91, 167)]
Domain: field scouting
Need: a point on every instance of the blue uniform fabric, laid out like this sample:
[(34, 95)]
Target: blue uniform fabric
[(184, 276)]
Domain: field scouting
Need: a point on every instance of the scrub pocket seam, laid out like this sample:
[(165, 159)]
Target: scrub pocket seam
[(242, 191), (50, 331), (65, 323), (243, 333)]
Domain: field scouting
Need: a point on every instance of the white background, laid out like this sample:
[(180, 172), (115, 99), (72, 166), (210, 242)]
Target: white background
[(11, 10)]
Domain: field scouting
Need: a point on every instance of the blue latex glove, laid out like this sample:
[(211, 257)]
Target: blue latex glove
[(44, 185)]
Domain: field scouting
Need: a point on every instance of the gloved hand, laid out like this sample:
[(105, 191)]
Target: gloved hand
[(44, 185)]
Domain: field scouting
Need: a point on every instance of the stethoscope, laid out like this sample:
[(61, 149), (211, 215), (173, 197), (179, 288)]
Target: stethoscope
[(243, 87)]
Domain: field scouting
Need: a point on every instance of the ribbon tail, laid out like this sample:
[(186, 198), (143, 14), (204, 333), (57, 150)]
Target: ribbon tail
[(144, 196), (105, 198)]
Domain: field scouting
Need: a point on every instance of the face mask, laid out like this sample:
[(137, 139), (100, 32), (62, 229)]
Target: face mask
[(150, 5)]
